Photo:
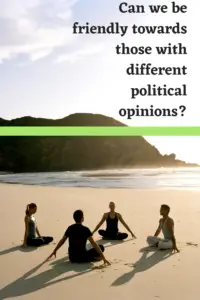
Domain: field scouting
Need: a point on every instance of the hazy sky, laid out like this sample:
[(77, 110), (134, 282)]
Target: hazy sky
[(46, 71)]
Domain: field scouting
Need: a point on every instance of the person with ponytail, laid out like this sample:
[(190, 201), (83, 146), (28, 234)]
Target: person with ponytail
[(32, 235)]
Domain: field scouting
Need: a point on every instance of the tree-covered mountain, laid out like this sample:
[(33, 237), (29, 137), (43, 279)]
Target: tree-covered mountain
[(39, 154)]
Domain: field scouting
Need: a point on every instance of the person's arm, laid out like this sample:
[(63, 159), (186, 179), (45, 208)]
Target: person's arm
[(170, 227), (159, 228), (26, 232), (59, 245), (98, 249), (100, 223), (125, 225)]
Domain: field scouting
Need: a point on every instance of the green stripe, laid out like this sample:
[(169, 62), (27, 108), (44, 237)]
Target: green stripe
[(98, 131)]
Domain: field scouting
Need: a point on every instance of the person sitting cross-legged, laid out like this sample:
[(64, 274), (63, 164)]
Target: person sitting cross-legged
[(112, 232), (78, 235), (166, 225)]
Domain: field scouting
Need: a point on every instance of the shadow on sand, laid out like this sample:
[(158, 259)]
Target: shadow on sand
[(28, 283), (109, 243), (17, 248), (143, 264)]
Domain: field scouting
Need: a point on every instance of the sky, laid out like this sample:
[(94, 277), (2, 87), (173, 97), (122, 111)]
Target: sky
[(46, 71)]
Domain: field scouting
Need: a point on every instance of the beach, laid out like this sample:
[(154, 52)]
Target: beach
[(134, 272)]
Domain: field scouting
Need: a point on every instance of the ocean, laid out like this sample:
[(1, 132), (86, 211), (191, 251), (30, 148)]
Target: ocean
[(159, 178)]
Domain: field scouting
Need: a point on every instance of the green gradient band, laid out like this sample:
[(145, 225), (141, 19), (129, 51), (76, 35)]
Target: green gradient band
[(98, 131)]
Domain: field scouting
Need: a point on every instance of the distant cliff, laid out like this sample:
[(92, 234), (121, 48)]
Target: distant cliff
[(39, 154)]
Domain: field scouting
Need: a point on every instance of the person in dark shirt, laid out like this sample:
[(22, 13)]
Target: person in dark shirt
[(78, 236), (112, 231)]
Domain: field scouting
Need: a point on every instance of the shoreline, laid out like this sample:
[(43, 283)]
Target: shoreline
[(187, 166), (182, 189), (165, 179)]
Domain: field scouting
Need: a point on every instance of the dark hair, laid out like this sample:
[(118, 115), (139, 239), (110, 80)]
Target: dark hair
[(165, 207), (30, 206), (78, 215)]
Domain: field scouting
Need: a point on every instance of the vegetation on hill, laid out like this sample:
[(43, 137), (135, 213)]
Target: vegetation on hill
[(40, 154)]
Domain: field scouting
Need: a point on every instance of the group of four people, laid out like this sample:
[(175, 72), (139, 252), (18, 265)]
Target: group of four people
[(78, 234)]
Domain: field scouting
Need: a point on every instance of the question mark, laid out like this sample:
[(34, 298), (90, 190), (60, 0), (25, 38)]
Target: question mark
[(182, 108)]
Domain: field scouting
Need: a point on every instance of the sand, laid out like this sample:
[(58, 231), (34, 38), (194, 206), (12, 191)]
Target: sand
[(134, 273)]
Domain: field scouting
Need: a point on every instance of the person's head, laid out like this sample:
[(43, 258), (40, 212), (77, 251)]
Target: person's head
[(31, 209), (112, 206), (164, 210), (78, 216)]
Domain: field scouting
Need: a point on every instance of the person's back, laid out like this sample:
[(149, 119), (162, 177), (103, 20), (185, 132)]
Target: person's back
[(78, 235)]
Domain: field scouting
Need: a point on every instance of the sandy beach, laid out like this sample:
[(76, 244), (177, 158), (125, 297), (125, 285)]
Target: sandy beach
[(134, 273)]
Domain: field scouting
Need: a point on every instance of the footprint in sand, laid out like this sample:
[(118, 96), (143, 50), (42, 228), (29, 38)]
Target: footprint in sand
[(191, 244), (101, 267), (129, 265), (116, 261)]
